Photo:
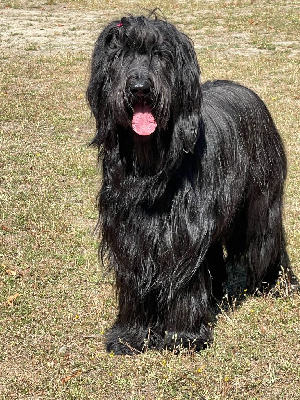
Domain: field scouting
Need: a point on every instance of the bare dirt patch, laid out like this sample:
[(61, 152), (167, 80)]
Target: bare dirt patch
[(47, 32), (60, 30)]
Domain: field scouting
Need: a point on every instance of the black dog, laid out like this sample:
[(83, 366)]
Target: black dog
[(191, 201)]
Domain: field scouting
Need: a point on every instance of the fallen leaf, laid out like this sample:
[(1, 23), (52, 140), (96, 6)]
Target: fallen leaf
[(11, 299), (252, 22), (11, 272), (67, 378), (5, 228), (23, 273)]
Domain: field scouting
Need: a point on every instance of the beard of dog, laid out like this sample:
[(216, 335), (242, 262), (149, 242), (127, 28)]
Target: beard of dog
[(153, 51)]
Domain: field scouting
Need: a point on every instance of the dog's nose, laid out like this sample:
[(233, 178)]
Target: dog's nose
[(140, 88)]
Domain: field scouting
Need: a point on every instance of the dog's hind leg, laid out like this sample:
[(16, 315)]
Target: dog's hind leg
[(215, 263), (256, 249)]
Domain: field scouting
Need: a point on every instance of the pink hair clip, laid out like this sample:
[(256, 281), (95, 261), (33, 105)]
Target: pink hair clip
[(120, 24)]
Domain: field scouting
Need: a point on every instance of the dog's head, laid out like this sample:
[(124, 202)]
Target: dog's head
[(145, 81)]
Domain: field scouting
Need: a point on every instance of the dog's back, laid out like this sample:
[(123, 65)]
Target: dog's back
[(234, 115)]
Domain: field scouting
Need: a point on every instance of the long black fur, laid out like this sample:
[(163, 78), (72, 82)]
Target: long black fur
[(192, 212)]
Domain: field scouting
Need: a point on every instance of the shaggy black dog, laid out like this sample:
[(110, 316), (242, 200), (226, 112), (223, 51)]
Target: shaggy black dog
[(191, 202)]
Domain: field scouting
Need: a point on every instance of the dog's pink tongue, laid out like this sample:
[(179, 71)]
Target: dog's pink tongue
[(143, 122)]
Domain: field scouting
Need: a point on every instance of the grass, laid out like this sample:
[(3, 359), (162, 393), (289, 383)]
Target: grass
[(55, 301)]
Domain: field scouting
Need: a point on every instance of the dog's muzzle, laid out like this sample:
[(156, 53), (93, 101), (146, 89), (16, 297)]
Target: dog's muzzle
[(140, 88), (143, 121)]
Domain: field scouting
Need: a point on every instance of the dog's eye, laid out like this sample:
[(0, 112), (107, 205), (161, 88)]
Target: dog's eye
[(162, 59), (112, 42), (163, 56), (157, 53), (113, 45), (113, 49)]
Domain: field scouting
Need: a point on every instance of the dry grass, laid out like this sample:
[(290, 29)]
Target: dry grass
[(55, 302)]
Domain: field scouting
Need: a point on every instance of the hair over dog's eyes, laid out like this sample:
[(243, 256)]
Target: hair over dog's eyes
[(112, 44), (163, 57), (113, 47)]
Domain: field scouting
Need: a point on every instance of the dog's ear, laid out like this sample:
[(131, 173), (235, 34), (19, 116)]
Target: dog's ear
[(100, 81), (186, 107)]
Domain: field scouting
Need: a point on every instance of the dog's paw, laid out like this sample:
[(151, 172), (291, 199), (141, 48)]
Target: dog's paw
[(131, 340)]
